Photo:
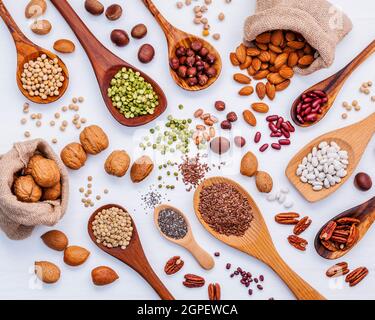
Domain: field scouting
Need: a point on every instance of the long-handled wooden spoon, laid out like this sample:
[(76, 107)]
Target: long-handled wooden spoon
[(106, 65), (188, 242), (332, 85), (353, 139), (26, 51), (175, 38), (133, 256), (257, 242), (365, 212)]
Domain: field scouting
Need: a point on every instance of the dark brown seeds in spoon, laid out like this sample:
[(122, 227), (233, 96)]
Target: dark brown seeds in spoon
[(172, 224)]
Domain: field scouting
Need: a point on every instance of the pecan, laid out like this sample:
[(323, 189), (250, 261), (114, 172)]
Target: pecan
[(353, 236), (214, 291), (356, 276), (338, 269), (302, 225), (339, 239), (173, 265), (341, 233), (327, 231), (297, 242), (193, 281), (347, 220), (329, 245), (287, 218)]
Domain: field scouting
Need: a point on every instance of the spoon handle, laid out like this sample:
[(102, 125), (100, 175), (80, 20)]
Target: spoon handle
[(202, 256), (165, 25)]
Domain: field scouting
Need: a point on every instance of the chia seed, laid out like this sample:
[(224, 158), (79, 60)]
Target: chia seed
[(151, 199), (172, 224)]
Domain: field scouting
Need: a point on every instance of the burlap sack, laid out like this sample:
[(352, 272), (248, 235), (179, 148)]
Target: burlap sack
[(322, 25), (18, 219)]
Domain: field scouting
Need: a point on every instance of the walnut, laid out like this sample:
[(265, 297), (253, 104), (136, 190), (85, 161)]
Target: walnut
[(73, 156), (52, 193), (26, 190), (141, 168), (32, 160), (45, 173), (117, 163), (93, 139)]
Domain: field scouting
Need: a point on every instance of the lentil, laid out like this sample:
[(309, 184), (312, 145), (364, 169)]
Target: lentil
[(192, 171), (172, 224)]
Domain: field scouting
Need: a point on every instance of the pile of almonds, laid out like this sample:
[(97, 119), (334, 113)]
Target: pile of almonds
[(273, 57)]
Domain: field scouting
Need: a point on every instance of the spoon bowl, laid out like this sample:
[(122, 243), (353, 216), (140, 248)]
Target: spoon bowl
[(26, 51), (133, 255), (257, 242), (175, 38), (188, 241), (332, 86), (365, 212)]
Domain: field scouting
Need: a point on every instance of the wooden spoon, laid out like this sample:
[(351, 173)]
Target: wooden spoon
[(332, 85), (175, 38), (365, 212), (353, 138), (257, 242), (133, 256), (188, 242), (26, 51), (106, 65)]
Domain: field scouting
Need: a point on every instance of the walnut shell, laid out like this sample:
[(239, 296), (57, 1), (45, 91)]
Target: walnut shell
[(117, 163), (32, 160), (26, 190), (93, 139), (141, 168), (52, 193), (73, 156), (45, 173)]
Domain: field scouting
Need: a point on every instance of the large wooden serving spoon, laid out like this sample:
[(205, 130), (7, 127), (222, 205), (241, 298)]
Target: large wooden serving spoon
[(257, 242), (26, 51), (188, 242), (365, 212), (106, 65), (332, 85), (133, 256), (175, 38), (353, 138)]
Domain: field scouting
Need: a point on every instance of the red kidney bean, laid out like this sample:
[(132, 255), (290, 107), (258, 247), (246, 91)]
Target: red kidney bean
[(291, 128), (276, 134), (284, 142), (300, 120), (276, 146), (285, 126), (279, 122), (312, 117), (264, 147), (308, 100), (305, 106), (316, 103), (272, 118), (307, 111), (285, 133), (320, 93), (272, 127), (310, 105), (257, 137)]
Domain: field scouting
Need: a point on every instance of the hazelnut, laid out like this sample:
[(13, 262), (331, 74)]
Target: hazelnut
[(120, 37), (174, 63), (226, 125), (45, 173), (113, 12), (141, 169), (117, 163), (94, 7), (220, 105), (32, 160), (26, 190), (93, 139), (52, 193), (73, 156), (232, 116)]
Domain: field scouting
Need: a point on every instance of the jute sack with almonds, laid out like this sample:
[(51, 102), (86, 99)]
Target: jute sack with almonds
[(18, 219), (318, 21)]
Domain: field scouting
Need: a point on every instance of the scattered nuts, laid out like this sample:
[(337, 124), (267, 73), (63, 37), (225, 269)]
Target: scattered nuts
[(141, 169), (113, 12), (74, 156), (117, 163), (64, 46), (47, 272), (35, 8), (93, 139), (363, 181), (75, 255), (264, 182), (102, 276), (139, 31), (249, 165), (146, 53), (94, 7), (45, 173), (120, 37), (41, 27), (55, 240)]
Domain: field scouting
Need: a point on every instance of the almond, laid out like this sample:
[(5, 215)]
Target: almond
[(46, 271), (253, 52), (275, 48), (260, 107), (283, 85), (246, 91), (261, 90), (64, 46), (141, 169), (249, 118), (308, 49), (275, 78), (264, 56), (264, 66), (75, 255), (241, 53), (280, 60), (264, 182), (306, 60), (293, 59), (270, 90), (247, 63), (263, 38), (241, 78), (262, 46), (233, 59), (256, 63), (277, 37), (286, 72), (102, 276), (296, 44), (290, 36), (55, 240), (249, 164), (273, 57), (261, 74)]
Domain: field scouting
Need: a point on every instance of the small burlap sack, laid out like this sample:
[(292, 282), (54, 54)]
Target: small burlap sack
[(321, 24), (18, 219)]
